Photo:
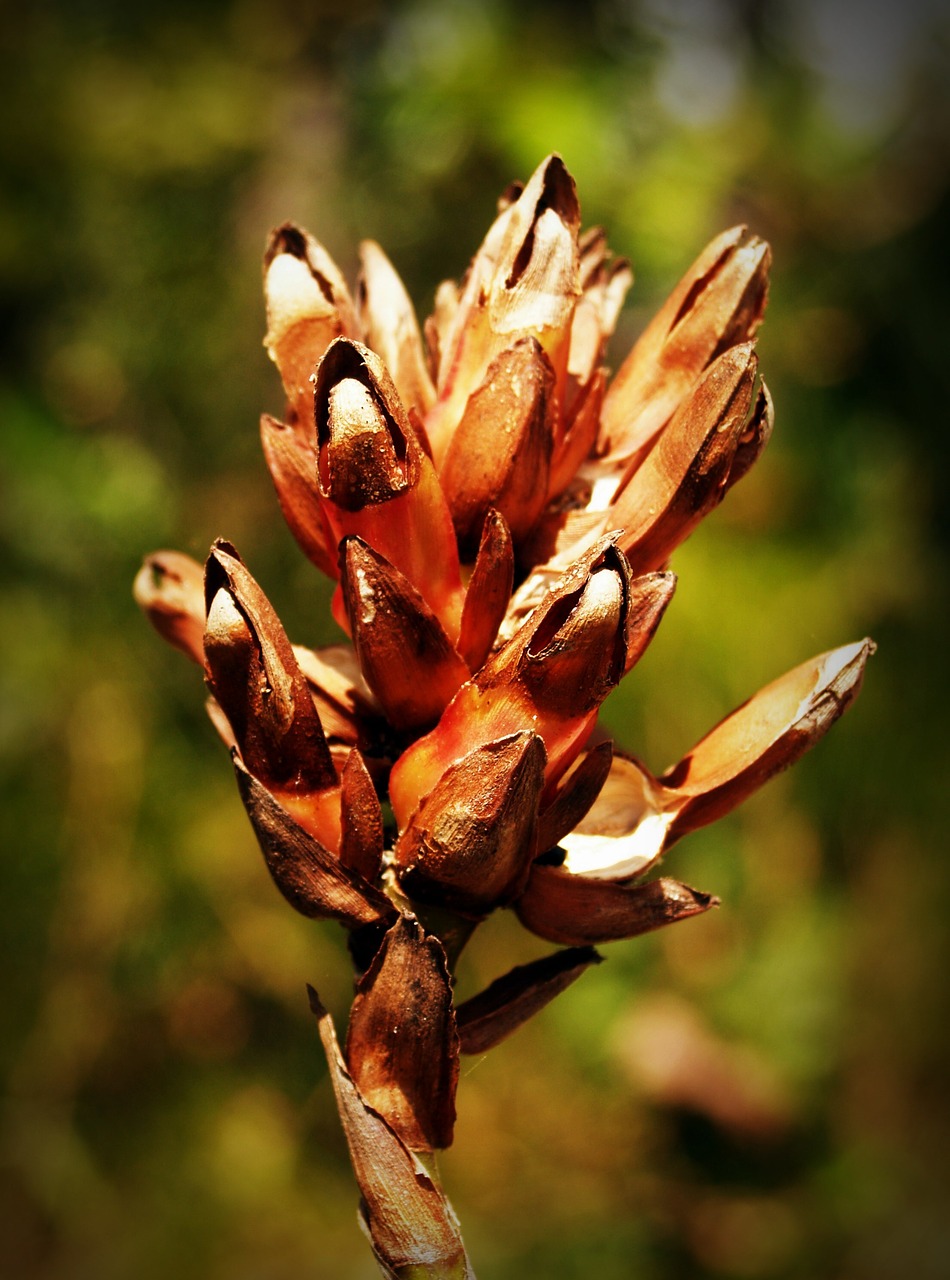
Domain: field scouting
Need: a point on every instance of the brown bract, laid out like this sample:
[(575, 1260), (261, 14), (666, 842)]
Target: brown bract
[(413, 1229), (470, 843), (402, 1046)]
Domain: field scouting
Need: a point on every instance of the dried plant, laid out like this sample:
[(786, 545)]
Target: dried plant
[(498, 520)]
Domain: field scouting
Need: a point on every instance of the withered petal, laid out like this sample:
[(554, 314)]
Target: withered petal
[(488, 593), (403, 651), (402, 1047), (764, 736), (507, 1004), (470, 844), (578, 911), (412, 1226), (310, 877), (169, 589)]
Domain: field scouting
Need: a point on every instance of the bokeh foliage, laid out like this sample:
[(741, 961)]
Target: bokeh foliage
[(759, 1093)]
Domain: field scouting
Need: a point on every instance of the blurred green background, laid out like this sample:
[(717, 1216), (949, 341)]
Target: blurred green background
[(760, 1093)]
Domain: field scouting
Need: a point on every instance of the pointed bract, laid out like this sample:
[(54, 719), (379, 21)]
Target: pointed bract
[(402, 1046), (412, 1227), (577, 911), (471, 842), (403, 652), (498, 1011), (310, 877)]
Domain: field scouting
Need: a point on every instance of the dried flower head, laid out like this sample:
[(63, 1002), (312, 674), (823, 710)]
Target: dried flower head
[(499, 521)]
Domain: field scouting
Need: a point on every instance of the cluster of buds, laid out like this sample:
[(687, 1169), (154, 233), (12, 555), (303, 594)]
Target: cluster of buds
[(498, 521)]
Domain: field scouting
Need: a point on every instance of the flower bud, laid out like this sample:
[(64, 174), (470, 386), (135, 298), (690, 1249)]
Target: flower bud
[(169, 589), (255, 678), (500, 452), (378, 483), (718, 304), (686, 475), (523, 282)]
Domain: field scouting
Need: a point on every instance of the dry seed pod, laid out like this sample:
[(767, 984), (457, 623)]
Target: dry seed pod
[(470, 844)]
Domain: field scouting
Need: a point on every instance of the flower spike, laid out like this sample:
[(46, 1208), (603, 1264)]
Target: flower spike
[(498, 516)]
